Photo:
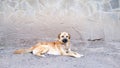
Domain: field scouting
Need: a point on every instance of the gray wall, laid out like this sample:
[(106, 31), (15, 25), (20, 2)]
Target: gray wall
[(38, 19)]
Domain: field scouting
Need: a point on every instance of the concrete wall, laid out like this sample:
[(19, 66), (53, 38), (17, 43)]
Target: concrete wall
[(37, 19)]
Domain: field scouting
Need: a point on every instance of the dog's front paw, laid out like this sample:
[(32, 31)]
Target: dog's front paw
[(77, 55)]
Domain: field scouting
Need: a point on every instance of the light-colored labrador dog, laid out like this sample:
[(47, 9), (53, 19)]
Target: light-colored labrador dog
[(59, 47)]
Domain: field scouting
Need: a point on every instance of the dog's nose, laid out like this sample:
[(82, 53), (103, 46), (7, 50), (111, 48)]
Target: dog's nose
[(64, 40)]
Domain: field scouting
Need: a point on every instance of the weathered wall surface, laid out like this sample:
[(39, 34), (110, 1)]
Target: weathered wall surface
[(37, 19)]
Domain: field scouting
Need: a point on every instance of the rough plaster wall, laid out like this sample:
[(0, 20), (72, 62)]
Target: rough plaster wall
[(37, 19)]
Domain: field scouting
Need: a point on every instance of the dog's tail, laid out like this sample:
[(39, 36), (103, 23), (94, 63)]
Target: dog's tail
[(22, 51)]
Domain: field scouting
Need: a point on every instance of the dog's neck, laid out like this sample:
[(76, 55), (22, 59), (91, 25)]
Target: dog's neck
[(65, 45)]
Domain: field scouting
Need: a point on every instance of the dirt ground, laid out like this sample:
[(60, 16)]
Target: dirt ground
[(23, 23), (97, 54), (23, 33)]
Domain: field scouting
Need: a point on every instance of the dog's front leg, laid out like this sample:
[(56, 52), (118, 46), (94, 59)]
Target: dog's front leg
[(74, 54), (67, 48), (62, 51)]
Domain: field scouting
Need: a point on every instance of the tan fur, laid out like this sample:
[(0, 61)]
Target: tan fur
[(59, 47)]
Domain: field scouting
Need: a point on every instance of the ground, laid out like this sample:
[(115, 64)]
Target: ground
[(97, 54), (91, 24)]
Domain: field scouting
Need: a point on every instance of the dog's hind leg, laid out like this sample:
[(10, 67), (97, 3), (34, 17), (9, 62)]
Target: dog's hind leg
[(40, 51)]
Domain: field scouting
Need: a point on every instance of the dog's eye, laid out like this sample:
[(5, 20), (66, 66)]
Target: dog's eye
[(66, 36), (62, 36)]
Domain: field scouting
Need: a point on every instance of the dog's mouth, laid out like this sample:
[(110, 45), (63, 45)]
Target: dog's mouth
[(64, 40)]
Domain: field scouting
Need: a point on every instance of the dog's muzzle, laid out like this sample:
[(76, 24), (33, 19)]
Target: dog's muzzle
[(64, 40)]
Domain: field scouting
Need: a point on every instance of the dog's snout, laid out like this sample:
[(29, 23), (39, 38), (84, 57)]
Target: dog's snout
[(64, 40)]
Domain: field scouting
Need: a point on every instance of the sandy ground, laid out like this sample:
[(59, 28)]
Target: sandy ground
[(96, 55)]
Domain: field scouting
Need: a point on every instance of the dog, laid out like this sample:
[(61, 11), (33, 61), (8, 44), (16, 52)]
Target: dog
[(58, 47)]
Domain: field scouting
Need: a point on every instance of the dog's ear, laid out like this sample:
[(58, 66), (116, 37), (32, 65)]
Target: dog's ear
[(69, 36), (59, 36)]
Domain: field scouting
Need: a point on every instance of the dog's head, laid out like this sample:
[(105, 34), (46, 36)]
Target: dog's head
[(64, 37)]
